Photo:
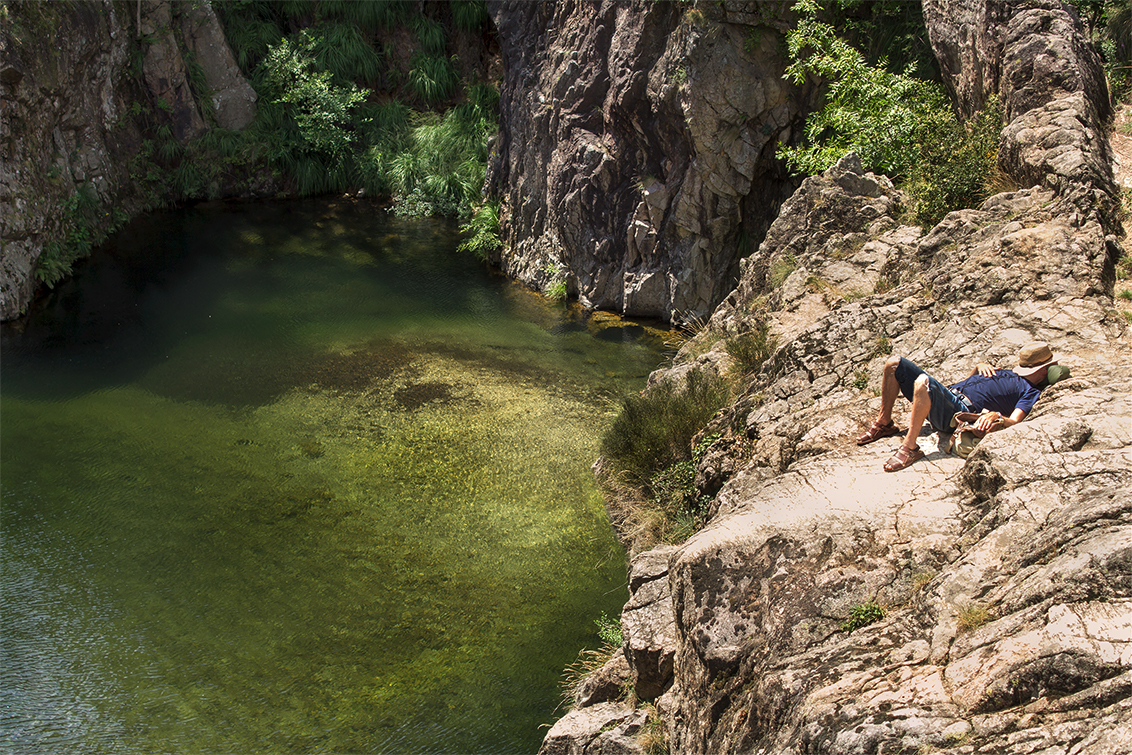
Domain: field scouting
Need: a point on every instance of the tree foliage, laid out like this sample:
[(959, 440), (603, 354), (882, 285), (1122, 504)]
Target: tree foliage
[(868, 109), (413, 138), (897, 124), (321, 110)]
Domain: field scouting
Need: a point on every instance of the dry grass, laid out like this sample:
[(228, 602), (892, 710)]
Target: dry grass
[(640, 524), (653, 739), (999, 181), (588, 661), (971, 617)]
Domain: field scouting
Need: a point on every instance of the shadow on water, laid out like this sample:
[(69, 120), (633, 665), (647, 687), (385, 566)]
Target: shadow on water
[(161, 280)]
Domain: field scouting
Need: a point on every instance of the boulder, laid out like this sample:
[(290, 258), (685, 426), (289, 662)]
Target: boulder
[(165, 72), (233, 99), (602, 729), (648, 624)]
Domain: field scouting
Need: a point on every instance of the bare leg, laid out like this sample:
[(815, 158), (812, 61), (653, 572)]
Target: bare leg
[(888, 390), (921, 405)]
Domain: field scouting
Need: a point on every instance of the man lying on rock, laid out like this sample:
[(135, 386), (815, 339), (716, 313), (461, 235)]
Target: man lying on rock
[(1004, 396)]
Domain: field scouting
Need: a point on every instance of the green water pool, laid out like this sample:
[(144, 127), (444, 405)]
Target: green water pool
[(299, 477)]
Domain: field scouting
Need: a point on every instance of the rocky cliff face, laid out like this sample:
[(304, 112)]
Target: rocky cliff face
[(1004, 579), (636, 151), (70, 107)]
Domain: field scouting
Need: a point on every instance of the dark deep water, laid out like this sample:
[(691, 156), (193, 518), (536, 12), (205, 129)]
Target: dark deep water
[(299, 477)]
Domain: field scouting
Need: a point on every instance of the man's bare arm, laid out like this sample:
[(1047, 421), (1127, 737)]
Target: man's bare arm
[(984, 369), (991, 421)]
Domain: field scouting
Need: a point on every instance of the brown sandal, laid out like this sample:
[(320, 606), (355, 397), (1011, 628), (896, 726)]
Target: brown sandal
[(878, 431), (903, 458)]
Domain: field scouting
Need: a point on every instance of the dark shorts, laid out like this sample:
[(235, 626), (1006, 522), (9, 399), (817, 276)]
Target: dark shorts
[(945, 402)]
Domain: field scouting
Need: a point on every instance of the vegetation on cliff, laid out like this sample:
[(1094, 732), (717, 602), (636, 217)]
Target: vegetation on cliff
[(897, 123), (368, 96), (393, 98)]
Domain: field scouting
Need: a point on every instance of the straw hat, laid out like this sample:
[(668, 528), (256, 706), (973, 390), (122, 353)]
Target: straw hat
[(1033, 357)]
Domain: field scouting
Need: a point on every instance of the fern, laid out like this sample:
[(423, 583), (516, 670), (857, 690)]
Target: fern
[(482, 231)]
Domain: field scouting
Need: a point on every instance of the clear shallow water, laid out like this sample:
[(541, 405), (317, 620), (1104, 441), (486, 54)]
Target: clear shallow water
[(300, 478)]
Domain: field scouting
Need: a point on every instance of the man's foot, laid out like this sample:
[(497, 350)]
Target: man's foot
[(903, 458), (878, 431)]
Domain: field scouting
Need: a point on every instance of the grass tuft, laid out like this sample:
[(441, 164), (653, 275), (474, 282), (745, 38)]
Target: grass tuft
[(370, 15), (341, 49), (653, 738), (432, 78), (655, 428), (431, 37), (470, 15), (752, 349), (971, 617)]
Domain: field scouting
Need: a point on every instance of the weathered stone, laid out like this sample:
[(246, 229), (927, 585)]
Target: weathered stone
[(637, 145), (165, 74), (233, 98), (648, 625), (607, 684), (1006, 579), (603, 729)]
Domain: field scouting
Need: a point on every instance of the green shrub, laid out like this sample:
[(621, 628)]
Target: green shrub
[(897, 124), (320, 110), (316, 127), (869, 110), (443, 169), (955, 162), (676, 496), (655, 428), (609, 630), (862, 615), (751, 349)]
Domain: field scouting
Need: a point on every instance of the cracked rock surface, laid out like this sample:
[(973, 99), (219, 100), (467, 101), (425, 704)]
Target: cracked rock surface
[(1005, 580)]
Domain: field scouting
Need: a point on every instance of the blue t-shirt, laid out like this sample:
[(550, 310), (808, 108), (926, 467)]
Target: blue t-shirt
[(1002, 393)]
